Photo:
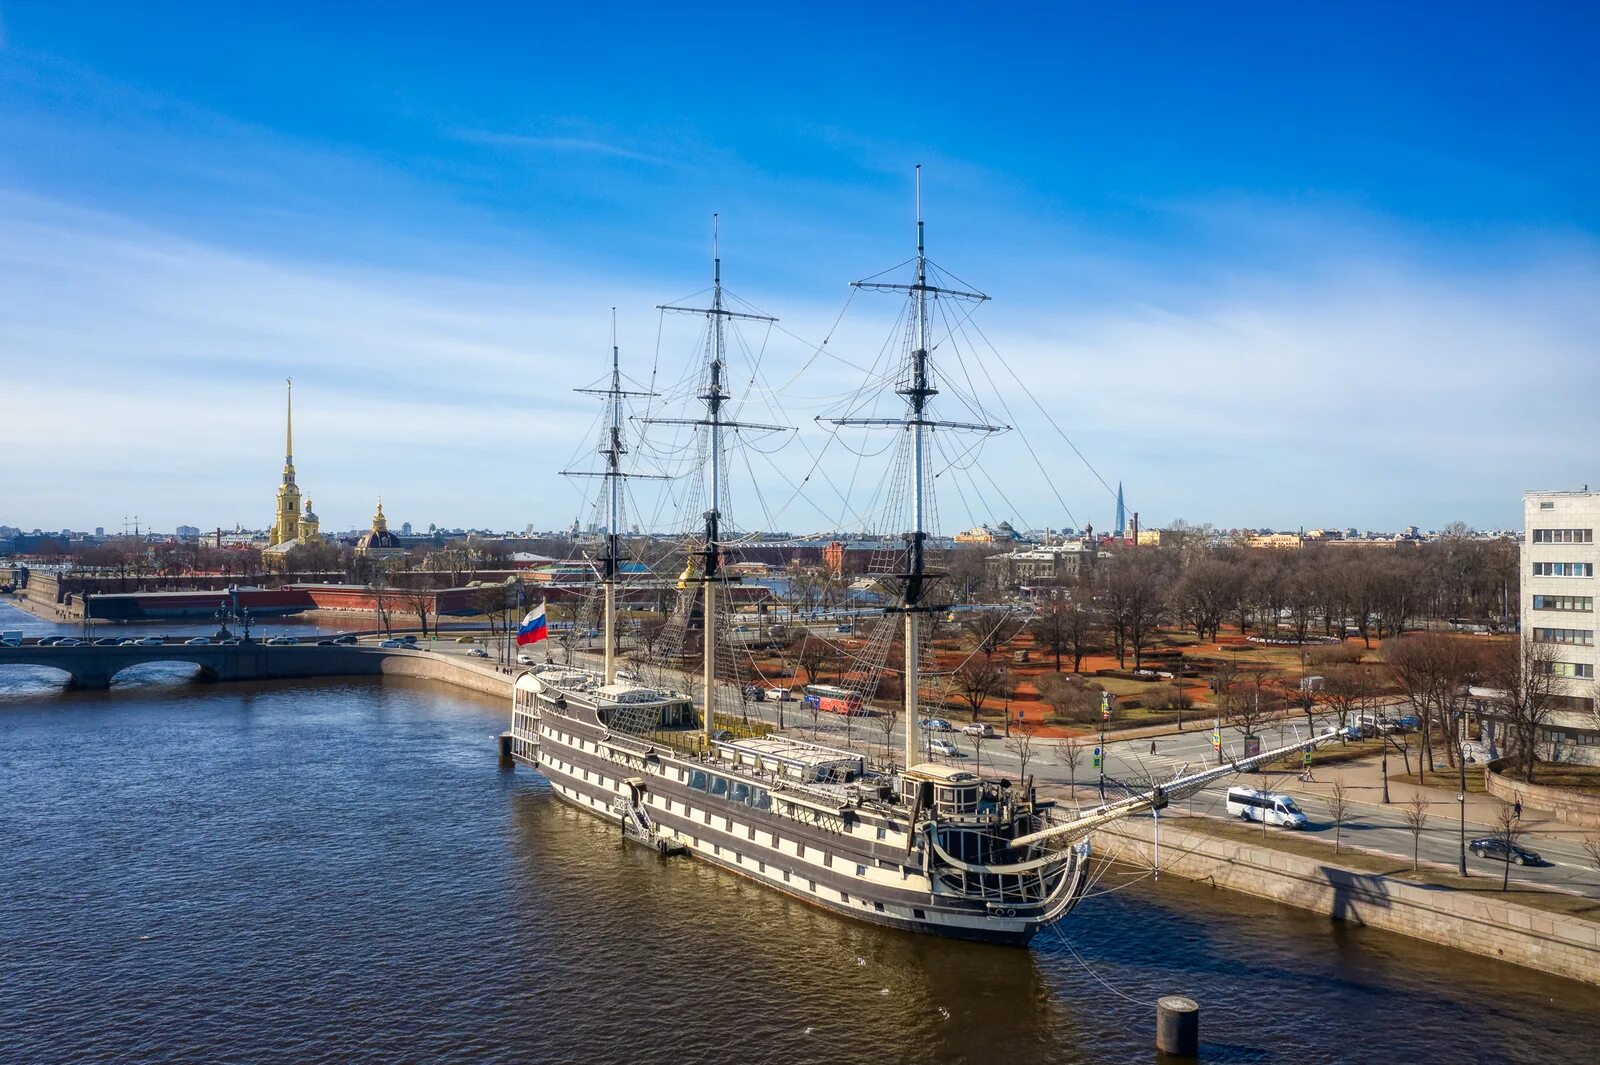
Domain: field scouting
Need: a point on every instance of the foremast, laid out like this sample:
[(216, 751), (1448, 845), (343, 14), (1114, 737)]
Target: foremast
[(612, 448), (917, 386), (715, 422)]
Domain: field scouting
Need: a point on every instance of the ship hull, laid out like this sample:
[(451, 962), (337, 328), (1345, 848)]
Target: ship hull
[(725, 851)]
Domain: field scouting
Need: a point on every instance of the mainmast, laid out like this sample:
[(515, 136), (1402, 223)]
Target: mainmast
[(612, 448), (715, 397), (917, 386)]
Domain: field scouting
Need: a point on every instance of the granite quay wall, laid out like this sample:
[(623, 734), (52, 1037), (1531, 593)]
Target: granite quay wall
[(486, 679), (1505, 930), (1567, 806)]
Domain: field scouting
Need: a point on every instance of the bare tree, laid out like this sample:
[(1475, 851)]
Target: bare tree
[(886, 721), (1207, 593), (991, 629), (650, 632), (1248, 702), (1071, 755), (978, 679), (1339, 811), (1524, 672), (1135, 603), (420, 601), (1051, 631), (1432, 670), (1082, 625), (1415, 815), (1020, 743), (1345, 690), (1591, 847), (1508, 831)]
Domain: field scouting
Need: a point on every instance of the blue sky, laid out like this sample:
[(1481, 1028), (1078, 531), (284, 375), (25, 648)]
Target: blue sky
[(1266, 264)]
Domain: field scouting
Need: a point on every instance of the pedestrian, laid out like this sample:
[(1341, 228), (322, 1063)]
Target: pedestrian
[(1152, 746), (1516, 809)]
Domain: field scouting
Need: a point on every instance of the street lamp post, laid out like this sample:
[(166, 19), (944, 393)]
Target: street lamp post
[(1461, 796)]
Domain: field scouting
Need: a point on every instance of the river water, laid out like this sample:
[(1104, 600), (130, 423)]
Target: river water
[(339, 871)]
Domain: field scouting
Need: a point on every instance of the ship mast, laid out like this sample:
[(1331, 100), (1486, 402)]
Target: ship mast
[(613, 448), (917, 386), (715, 397)]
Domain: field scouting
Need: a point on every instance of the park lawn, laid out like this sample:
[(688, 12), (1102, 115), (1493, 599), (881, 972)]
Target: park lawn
[(1445, 778), (1580, 778), (1339, 754)]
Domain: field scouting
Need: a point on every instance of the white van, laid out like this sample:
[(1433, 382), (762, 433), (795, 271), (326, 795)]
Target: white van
[(1253, 805)]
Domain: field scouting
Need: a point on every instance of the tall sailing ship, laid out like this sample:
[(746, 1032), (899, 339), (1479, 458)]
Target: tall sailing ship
[(908, 843)]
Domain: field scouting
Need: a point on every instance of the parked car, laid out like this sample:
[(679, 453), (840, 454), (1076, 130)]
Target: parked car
[(1496, 848), (979, 728), (68, 641), (409, 638), (466, 639), (148, 641), (198, 641), (327, 643), (527, 660), (399, 644), (778, 695), (231, 641), (281, 641), (345, 639), (475, 652), (945, 748), (1408, 722), (935, 724), (107, 641), (50, 641), (622, 674)]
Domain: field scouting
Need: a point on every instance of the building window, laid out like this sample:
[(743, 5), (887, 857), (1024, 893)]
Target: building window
[(1579, 637), (861, 870), (1563, 569), (919, 915), (1578, 670), (1563, 536), (1563, 602)]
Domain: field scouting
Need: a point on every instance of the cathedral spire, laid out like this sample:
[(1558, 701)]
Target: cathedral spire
[(288, 434)]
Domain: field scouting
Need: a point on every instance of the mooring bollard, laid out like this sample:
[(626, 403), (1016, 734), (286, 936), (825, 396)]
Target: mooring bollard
[(1178, 1026)]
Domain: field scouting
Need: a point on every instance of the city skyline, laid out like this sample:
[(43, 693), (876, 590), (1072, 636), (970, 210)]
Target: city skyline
[(1347, 296)]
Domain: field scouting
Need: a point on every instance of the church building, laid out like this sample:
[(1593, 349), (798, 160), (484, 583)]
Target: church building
[(290, 527)]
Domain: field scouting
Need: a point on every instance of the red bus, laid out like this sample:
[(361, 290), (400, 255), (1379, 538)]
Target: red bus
[(833, 699)]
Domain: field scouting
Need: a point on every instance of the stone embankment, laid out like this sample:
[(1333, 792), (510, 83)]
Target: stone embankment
[(1502, 929), (463, 673)]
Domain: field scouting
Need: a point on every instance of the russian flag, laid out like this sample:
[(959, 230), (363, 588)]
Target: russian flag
[(533, 627)]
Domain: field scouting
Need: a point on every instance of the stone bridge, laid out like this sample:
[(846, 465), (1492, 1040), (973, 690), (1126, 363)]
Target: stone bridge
[(95, 667)]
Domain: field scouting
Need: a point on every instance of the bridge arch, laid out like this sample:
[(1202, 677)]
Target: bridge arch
[(200, 671)]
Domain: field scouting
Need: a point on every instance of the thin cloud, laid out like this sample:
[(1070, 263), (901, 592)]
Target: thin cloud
[(528, 142)]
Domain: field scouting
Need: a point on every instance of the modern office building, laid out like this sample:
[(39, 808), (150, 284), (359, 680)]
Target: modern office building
[(1559, 559)]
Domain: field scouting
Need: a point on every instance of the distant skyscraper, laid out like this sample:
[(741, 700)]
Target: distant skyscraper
[(1122, 514), (405, 528)]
